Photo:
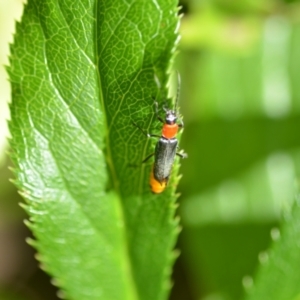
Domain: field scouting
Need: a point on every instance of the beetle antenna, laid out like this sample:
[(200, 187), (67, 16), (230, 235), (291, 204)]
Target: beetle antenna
[(178, 91), (158, 84)]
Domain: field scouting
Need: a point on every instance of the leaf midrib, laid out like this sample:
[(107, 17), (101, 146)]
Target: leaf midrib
[(109, 161)]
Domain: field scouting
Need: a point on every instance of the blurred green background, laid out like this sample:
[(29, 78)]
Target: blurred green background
[(240, 67)]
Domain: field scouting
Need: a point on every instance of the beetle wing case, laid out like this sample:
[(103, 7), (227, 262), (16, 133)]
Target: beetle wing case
[(165, 152)]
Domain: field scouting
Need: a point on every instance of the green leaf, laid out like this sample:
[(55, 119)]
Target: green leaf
[(278, 276), (81, 73)]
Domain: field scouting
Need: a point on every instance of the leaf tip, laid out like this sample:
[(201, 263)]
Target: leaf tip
[(30, 241), (61, 294)]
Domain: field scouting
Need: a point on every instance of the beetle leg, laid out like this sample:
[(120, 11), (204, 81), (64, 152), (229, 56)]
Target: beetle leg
[(147, 158), (145, 133), (182, 154), (156, 112), (181, 125)]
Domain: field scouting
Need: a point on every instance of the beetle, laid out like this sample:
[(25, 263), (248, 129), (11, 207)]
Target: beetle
[(166, 147)]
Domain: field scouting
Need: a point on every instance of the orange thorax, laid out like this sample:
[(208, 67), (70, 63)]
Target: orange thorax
[(169, 131)]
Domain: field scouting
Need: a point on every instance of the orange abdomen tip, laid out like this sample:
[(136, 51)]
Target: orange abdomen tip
[(169, 131), (156, 186)]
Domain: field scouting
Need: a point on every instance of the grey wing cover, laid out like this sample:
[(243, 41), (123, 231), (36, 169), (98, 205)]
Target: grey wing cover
[(165, 152)]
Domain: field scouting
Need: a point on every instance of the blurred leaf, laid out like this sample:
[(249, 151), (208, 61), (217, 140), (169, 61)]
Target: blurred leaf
[(260, 81), (241, 113), (212, 29), (233, 7), (227, 223), (218, 257), (259, 194), (242, 7), (226, 149), (81, 72), (278, 276)]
